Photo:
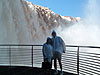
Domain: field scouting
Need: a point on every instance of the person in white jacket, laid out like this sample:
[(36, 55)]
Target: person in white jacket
[(48, 51), (58, 48)]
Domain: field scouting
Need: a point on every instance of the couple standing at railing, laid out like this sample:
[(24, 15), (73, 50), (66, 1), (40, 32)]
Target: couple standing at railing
[(53, 49)]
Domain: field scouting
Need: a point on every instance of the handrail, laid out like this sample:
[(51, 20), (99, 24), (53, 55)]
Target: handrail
[(34, 55), (18, 45), (82, 46), (42, 45)]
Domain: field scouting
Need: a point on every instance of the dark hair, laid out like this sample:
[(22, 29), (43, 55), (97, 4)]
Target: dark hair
[(48, 40)]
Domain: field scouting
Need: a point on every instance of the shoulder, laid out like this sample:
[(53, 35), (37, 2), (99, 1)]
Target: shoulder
[(58, 37)]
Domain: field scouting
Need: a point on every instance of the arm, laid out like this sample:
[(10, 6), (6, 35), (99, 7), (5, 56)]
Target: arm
[(44, 51), (63, 46)]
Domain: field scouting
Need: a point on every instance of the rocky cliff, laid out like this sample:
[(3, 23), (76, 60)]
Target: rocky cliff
[(23, 22)]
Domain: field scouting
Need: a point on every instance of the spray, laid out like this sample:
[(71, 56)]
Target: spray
[(87, 31)]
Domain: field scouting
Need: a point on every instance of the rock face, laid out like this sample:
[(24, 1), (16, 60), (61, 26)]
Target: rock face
[(22, 22)]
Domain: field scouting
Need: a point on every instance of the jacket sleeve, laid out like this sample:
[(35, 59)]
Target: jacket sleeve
[(63, 45), (44, 51)]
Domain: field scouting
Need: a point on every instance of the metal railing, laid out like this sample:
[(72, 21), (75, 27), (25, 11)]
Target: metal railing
[(81, 60)]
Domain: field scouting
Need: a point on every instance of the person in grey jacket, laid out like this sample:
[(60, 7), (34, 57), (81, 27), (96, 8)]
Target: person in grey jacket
[(58, 48), (48, 50)]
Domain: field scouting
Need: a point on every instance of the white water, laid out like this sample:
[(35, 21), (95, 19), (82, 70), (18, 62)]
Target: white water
[(13, 26), (87, 32)]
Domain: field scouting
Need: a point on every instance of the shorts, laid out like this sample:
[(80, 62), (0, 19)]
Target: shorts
[(57, 55)]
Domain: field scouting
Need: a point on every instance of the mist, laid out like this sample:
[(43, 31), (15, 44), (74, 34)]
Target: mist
[(85, 32)]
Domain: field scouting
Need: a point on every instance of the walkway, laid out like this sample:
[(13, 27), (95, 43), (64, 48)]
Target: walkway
[(26, 71)]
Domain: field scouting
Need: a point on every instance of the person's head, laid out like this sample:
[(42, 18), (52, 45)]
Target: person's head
[(49, 40), (53, 33)]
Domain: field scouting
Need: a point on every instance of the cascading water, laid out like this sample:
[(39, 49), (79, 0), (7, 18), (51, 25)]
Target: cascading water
[(22, 22), (13, 26)]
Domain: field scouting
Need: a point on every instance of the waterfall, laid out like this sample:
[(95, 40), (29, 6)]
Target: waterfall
[(22, 22)]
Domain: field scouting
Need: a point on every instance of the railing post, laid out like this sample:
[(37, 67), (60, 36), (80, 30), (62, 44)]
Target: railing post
[(78, 61), (9, 60), (10, 55), (32, 56)]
